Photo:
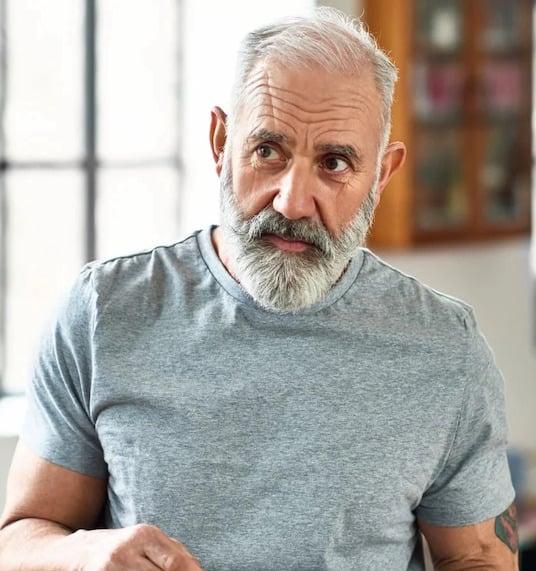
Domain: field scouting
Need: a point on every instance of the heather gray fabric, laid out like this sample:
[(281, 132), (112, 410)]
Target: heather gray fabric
[(268, 441)]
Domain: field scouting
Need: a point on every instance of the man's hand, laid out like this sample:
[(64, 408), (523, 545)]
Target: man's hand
[(141, 547), (46, 502)]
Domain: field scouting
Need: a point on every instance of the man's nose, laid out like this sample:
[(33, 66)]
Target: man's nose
[(295, 197)]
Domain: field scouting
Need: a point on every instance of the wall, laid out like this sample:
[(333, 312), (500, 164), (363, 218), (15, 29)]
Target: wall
[(7, 445), (11, 413)]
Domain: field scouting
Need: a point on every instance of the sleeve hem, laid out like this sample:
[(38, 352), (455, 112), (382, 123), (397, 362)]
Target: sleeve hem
[(463, 518), (88, 467)]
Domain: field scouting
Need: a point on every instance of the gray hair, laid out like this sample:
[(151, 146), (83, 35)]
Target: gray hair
[(329, 39)]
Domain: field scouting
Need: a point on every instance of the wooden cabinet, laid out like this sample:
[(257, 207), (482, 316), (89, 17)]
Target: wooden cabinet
[(463, 107)]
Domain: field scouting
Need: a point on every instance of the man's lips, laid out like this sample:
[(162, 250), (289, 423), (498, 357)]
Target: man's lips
[(287, 244)]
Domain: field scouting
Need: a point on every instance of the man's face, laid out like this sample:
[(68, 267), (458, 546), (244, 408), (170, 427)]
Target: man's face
[(299, 182)]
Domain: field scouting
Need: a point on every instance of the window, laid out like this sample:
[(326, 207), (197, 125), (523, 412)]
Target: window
[(104, 117), (89, 146)]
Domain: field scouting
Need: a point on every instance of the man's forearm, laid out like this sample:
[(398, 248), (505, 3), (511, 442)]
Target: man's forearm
[(475, 565), (34, 545), (484, 561)]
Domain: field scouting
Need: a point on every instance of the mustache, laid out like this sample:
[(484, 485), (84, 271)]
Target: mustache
[(268, 221)]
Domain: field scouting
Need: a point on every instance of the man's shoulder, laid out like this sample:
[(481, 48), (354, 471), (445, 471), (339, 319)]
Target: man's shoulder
[(405, 296), (153, 261), (140, 276)]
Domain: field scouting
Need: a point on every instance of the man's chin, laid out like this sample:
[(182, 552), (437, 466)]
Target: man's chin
[(277, 285), (283, 274)]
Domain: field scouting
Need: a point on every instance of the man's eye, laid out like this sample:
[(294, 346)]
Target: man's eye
[(267, 152), (335, 164)]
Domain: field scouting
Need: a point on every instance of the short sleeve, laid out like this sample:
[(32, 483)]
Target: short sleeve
[(474, 483), (58, 424)]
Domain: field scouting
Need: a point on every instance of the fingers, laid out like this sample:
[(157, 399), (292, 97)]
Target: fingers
[(141, 547), (166, 553)]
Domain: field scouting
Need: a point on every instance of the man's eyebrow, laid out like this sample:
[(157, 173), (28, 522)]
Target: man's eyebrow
[(270, 136), (344, 150)]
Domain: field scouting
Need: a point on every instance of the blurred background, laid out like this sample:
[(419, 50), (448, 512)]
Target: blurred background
[(104, 118)]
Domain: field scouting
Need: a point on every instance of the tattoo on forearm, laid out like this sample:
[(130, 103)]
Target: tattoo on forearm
[(506, 528)]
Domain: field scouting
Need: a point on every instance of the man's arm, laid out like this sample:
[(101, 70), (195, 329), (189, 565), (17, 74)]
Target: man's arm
[(48, 509), (490, 545)]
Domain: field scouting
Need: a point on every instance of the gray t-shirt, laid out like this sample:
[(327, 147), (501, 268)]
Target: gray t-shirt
[(272, 441)]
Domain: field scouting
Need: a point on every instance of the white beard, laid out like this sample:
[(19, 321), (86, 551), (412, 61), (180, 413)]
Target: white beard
[(288, 281)]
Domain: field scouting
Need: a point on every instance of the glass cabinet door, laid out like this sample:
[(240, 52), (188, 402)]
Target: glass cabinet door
[(441, 198), (438, 82), (471, 110), (438, 90), (505, 175), (504, 52), (505, 25), (440, 25), (463, 106)]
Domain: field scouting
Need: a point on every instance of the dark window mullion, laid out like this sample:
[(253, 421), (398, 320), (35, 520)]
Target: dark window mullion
[(140, 163), (90, 121), (43, 165), (83, 164)]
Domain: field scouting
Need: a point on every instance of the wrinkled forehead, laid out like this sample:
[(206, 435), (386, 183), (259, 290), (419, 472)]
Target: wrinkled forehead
[(309, 95)]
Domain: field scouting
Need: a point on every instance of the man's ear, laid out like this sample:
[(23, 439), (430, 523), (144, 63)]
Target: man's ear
[(218, 136), (393, 158)]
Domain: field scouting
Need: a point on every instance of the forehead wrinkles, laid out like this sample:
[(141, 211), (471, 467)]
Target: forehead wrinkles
[(265, 97)]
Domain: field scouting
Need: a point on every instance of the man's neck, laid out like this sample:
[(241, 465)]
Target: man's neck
[(218, 241)]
